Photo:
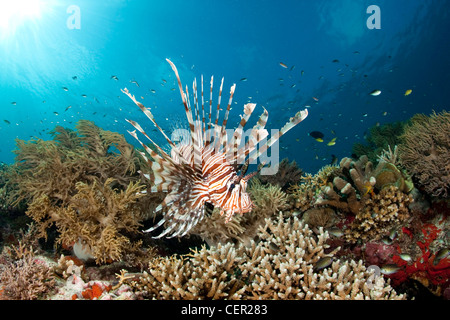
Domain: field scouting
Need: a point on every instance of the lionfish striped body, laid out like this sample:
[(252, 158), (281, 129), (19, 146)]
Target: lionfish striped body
[(202, 173)]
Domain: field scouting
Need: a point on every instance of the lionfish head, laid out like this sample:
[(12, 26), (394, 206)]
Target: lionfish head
[(239, 200)]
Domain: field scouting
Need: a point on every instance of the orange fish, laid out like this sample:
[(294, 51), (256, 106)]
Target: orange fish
[(315, 99), (283, 65)]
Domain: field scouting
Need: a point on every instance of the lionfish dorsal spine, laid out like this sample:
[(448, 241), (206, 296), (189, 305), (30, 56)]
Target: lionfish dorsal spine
[(299, 117)]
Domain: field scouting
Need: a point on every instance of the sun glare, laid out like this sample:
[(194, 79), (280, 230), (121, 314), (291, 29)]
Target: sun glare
[(14, 13)]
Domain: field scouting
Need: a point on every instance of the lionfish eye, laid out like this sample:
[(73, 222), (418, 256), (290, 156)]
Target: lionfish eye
[(232, 186)]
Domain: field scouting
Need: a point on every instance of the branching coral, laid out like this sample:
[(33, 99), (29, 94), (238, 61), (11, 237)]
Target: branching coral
[(282, 265), (26, 279), (425, 152), (379, 214), (304, 194)]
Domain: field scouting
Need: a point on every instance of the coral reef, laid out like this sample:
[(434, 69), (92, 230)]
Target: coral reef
[(425, 152), (282, 265), (379, 214), (26, 279), (93, 220), (85, 183), (378, 139), (288, 174)]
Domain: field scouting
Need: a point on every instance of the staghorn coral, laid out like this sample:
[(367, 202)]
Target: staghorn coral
[(379, 214), (425, 152), (282, 265)]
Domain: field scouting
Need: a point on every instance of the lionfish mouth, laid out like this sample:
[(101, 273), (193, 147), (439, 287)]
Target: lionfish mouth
[(202, 173)]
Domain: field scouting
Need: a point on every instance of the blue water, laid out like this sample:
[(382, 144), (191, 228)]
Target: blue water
[(40, 55)]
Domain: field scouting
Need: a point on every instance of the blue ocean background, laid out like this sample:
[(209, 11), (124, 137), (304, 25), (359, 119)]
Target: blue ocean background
[(53, 75)]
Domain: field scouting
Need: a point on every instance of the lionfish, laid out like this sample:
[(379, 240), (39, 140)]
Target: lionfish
[(203, 173)]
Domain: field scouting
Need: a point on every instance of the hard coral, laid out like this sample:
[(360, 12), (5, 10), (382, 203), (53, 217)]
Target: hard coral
[(425, 152), (379, 214), (281, 266)]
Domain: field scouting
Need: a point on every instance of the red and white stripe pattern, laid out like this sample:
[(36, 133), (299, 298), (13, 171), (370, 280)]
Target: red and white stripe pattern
[(202, 173)]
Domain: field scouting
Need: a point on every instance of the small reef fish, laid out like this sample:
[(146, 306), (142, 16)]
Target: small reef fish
[(386, 240), (14, 103), (334, 160), (68, 108), (393, 234), (135, 82), (6, 121), (274, 247), (56, 113), (315, 99), (152, 90), (389, 269), (375, 93), (335, 231), (332, 142), (335, 61), (408, 92), (84, 96), (283, 65), (441, 254), (65, 89), (74, 77), (243, 79), (323, 263), (406, 257), (114, 78), (317, 135)]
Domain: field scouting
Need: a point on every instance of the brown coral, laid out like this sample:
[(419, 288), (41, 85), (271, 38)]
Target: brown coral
[(85, 183), (288, 174), (26, 279), (379, 215), (425, 152), (95, 218)]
